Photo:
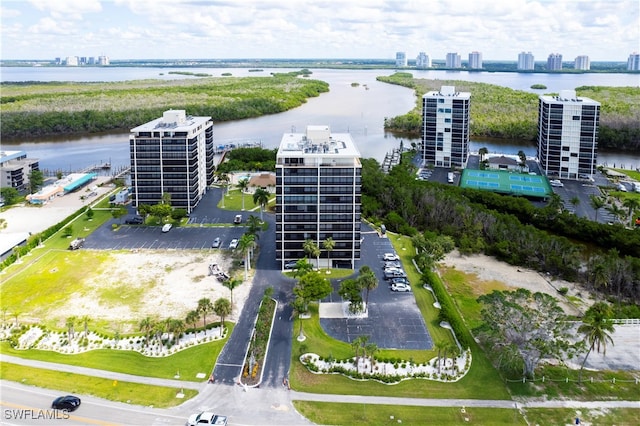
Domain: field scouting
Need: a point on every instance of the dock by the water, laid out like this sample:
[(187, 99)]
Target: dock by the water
[(391, 159)]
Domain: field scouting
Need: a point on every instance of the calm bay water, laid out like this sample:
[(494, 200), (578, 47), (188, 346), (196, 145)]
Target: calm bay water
[(359, 111)]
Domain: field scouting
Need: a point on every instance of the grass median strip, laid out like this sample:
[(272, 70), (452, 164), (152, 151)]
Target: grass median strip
[(130, 393)]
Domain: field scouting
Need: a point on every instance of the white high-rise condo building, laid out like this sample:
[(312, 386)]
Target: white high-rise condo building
[(445, 127), (554, 62), (453, 60), (172, 155), (526, 61), (475, 60), (633, 63), (401, 59), (318, 196), (423, 61), (582, 63), (568, 134)]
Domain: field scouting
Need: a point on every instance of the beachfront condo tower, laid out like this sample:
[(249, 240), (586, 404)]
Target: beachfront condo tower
[(173, 155), (318, 190), (568, 135), (445, 127)]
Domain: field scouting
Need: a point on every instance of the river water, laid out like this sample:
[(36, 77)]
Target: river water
[(359, 111)]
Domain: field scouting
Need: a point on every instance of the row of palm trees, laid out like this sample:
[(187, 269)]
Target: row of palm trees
[(155, 329), (313, 250)]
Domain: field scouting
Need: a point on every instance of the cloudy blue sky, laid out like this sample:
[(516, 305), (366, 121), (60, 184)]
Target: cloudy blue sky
[(605, 30)]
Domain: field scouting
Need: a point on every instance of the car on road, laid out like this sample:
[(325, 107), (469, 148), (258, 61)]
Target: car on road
[(166, 227), (216, 243), (67, 402), (136, 220), (400, 287), (237, 219), (207, 418), (233, 244), (390, 257), (400, 280)]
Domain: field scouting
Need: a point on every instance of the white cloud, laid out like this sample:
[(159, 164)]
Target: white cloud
[(604, 30)]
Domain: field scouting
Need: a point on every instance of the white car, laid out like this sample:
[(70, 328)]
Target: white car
[(233, 244), (390, 257), (555, 182), (166, 227), (400, 287), (207, 418)]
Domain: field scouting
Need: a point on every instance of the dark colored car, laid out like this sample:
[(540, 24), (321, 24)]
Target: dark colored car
[(136, 220), (68, 402)]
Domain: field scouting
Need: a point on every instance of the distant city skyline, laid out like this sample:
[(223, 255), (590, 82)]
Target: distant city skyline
[(603, 30)]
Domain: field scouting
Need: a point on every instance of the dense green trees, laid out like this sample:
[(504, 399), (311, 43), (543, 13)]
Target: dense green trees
[(509, 228), (40, 109)]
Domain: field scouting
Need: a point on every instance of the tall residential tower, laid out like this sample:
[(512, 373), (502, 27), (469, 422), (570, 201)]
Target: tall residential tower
[(318, 190), (445, 127), (568, 134), (173, 155)]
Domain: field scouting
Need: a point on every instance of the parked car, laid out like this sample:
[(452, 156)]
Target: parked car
[(233, 244), (400, 287), (390, 257), (207, 418), (76, 244), (216, 243), (391, 265), (237, 219), (290, 264), (67, 402), (555, 182), (400, 280), (389, 274), (166, 227), (136, 220)]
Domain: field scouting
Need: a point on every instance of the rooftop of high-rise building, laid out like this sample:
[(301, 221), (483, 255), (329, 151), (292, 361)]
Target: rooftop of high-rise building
[(318, 141)]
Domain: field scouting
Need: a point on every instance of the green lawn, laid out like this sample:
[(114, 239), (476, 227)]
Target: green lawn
[(127, 392), (187, 363), (370, 414)]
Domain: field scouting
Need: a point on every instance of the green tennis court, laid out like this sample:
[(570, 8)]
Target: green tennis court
[(506, 182)]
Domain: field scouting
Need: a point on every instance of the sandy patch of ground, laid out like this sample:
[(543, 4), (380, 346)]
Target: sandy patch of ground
[(489, 269), (159, 284)]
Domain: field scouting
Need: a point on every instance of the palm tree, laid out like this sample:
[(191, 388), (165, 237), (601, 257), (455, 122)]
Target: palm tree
[(261, 197), (617, 211), (85, 322), (632, 204), (441, 346), (575, 200), (70, 323), (246, 244), (232, 283), (597, 203), (224, 178), (483, 151), (355, 344), (302, 267), (367, 280), (243, 184), (222, 307), (596, 328), (254, 225), (371, 349), (298, 308), (310, 247), (328, 245), (176, 328), (523, 160), (204, 307), (146, 326), (192, 318)]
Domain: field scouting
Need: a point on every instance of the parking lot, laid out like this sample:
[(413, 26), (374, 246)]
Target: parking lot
[(394, 320)]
